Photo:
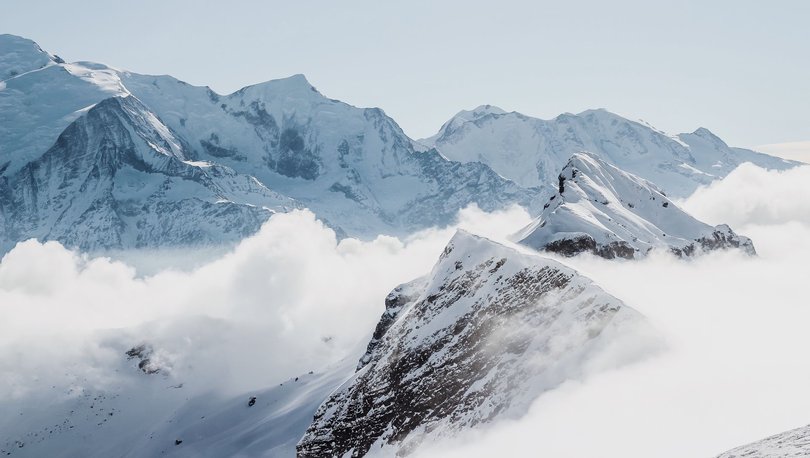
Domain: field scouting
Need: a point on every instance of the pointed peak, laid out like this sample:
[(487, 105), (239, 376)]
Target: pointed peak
[(296, 84), (478, 113), (586, 162), (466, 239), (705, 135)]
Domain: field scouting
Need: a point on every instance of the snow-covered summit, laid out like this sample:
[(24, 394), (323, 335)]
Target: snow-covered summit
[(20, 55), (475, 341), (604, 210), (531, 151)]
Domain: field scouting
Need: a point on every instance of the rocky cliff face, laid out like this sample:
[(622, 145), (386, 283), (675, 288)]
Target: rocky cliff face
[(603, 210), (480, 337)]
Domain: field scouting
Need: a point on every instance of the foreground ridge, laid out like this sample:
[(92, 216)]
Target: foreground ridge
[(476, 340)]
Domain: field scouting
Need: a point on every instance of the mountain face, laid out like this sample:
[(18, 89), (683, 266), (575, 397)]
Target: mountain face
[(532, 151), (285, 144), (118, 177), (480, 337), (611, 213), (794, 443)]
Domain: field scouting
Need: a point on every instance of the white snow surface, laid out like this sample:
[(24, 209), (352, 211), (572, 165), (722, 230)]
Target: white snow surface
[(145, 414), (612, 206), (790, 444), (531, 151)]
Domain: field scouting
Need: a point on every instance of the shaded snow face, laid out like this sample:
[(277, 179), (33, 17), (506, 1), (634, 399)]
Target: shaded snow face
[(735, 325)]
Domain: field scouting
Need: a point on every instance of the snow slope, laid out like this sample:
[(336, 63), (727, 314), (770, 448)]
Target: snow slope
[(141, 414), (604, 210), (486, 332), (532, 151), (794, 443), (354, 167), (118, 178)]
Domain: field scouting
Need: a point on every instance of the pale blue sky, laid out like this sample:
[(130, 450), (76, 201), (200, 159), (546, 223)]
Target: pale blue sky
[(740, 68)]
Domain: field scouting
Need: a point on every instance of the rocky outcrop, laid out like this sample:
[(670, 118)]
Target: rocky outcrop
[(476, 340)]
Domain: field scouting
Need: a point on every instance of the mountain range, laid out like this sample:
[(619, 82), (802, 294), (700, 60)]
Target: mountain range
[(103, 159), (100, 158), (531, 151)]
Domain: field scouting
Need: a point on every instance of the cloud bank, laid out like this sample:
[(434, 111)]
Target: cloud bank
[(288, 300)]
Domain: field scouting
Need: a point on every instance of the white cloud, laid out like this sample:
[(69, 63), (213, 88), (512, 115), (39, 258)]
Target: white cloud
[(288, 300), (751, 195)]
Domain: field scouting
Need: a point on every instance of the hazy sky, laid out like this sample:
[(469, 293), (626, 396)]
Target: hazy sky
[(740, 68)]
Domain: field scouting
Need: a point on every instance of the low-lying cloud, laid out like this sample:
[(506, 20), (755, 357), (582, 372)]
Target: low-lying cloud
[(290, 299)]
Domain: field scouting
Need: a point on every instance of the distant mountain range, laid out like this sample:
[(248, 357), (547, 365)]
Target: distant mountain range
[(531, 151), (99, 158)]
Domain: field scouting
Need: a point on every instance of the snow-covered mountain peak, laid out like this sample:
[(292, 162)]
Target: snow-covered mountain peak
[(531, 151), (19, 55), (475, 341), (461, 118), (606, 211), (703, 137), (295, 86)]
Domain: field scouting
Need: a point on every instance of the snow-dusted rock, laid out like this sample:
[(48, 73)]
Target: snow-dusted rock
[(486, 332), (532, 151), (606, 211), (790, 444)]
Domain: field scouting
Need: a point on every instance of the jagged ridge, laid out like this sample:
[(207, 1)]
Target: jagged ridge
[(601, 209), (469, 343)]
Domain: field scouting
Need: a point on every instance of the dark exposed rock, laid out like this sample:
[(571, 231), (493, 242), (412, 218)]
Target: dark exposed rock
[(143, 353), (576, 245)]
